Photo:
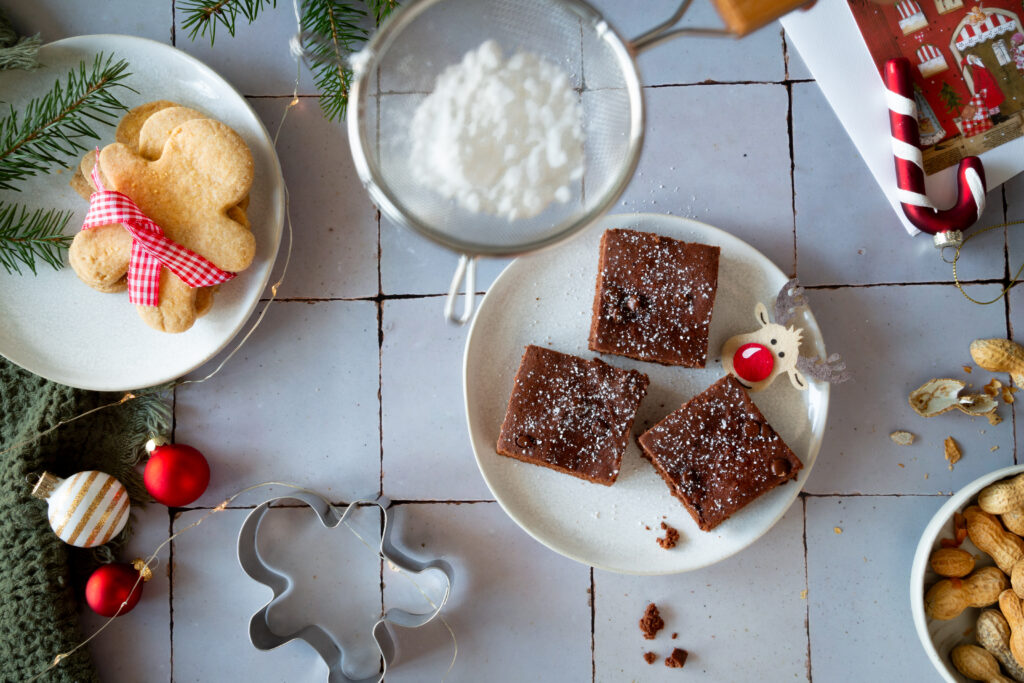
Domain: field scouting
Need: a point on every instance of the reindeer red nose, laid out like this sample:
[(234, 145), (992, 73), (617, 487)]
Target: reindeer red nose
[(753, 362)]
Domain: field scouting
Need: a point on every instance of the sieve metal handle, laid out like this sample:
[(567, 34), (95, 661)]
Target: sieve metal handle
[(465, 272), (662, 33)]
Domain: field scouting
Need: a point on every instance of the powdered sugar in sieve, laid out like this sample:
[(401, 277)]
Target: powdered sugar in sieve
[(502, 137)]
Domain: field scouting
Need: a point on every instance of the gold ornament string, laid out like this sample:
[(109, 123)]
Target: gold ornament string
[(956, 257), (153, 560)]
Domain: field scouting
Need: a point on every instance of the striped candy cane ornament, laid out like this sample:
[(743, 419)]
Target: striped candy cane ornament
[(946, 225)]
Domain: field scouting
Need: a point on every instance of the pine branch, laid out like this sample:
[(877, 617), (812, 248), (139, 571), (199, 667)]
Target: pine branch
[(336, 32), (203, 16), (382, 9), (332, 30), (53, 127), (26, 236)]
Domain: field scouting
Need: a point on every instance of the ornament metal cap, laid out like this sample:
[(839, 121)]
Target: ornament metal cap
[(45, 486), (155, 441), (950, 238), (139, 565)]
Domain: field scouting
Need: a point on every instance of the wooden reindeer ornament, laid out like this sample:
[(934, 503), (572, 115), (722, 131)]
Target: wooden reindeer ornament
[(757, 358)]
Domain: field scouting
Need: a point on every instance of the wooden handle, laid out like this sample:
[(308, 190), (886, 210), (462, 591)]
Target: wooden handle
[(744, 16)]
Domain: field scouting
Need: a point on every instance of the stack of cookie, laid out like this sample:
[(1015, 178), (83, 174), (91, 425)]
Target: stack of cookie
[(191, 175)]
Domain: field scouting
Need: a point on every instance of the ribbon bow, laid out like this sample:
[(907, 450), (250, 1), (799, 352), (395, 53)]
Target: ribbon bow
[(151, 249)]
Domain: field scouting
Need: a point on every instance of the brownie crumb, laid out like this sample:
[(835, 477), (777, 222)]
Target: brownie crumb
[(677, 659), (650, 657), (651, 622), (671, 537), (674, 636)]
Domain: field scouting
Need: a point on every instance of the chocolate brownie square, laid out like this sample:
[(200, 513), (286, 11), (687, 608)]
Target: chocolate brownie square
[(654, 298), (571, 414), (717, 453)]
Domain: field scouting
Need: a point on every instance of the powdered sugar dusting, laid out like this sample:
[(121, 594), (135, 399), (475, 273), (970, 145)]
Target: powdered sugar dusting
[(503, 137), (654, 298), (718, 453), (571, 414)]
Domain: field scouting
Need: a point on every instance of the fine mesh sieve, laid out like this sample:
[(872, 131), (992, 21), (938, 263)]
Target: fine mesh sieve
[(399, 68)]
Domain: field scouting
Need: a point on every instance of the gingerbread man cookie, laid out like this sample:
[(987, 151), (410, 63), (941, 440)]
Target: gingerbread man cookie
[(204, 170), (100, 256)]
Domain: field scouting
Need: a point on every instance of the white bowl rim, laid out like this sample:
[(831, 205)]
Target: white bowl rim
[(924, 551)]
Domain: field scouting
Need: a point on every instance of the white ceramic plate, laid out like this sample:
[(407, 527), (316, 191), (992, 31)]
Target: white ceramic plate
[(546, 299), (940, 637), (56, 326)]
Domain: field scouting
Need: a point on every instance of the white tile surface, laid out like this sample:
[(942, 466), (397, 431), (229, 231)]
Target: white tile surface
[(712, 611), (508, 592), (694, 60), (1014, 194), (846, 231), (213, 602), (796, 69), (336, 574), (859, 614), (422, 350), (267, 417), (54, 21), (334, 221), (707, 167), (888, 361), (256, 61), (148, 626), (411, 264)]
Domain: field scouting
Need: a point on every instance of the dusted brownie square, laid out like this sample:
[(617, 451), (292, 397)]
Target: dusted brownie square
[(571, 414), (717, 453), (654, 298)]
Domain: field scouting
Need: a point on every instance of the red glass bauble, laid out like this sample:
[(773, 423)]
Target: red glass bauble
[(111, 585), (176, 474), (753, 362)]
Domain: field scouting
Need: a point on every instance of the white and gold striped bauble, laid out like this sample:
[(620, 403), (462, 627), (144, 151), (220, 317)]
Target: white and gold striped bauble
[(86, 509)]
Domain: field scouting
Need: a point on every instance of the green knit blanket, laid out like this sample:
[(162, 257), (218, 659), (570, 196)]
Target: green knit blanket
[(41, 578)]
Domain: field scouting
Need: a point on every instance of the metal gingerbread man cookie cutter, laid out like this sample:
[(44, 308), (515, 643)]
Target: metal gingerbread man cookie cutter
[(321, 640)]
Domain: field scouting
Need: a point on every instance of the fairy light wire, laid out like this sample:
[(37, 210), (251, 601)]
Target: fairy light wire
[(130, 396), (433, 605), (153, 560)]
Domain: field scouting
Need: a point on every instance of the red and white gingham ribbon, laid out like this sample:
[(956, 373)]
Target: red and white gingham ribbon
[(150, 247)]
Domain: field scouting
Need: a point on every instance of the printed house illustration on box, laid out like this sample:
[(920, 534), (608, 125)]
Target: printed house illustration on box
[(969, 81)]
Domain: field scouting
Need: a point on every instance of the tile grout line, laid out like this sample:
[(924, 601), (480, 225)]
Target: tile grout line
[(785, 53), (807, 588), (380, 569), (380, 402), (857, 494), (170, 590), (437, 295), (792, 153), (593, 612), (792, 168), (1006, 235), (1007, 308), (170, 551), (380, 370), (338, 503)]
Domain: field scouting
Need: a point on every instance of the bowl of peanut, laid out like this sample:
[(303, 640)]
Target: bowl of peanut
[(967, 581)]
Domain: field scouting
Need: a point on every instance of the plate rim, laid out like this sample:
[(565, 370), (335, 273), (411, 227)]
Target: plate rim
[(813, 449), (277, 210)]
